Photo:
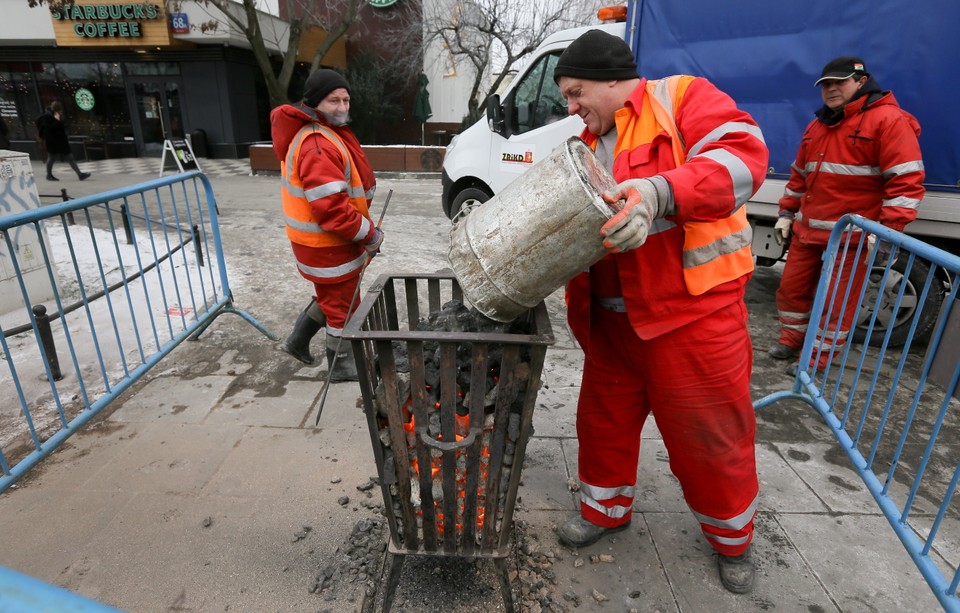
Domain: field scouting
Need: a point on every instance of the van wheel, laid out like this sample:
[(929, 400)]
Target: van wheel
[(467, 200), (902, 318)]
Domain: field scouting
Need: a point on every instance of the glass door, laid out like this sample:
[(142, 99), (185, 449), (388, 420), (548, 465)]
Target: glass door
[(158, 112)]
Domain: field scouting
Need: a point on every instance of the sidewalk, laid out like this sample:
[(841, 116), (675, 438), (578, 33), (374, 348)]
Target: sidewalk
[(207, 487)]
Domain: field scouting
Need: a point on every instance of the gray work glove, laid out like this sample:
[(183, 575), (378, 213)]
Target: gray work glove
[(643, 202), (781, 230), (373, 246)]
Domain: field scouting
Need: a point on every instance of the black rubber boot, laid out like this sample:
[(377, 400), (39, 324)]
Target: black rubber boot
[(308, 324), (341, 364), (783, 352)]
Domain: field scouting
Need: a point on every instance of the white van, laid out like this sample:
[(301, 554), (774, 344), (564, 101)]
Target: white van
[(483, 159)]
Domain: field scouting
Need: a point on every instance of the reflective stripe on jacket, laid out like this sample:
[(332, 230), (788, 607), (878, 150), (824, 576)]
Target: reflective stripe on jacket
[(724, 163), (869, 163), (302, 227), (714, 252)]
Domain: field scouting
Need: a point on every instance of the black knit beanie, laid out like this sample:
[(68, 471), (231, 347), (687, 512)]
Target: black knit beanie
[(597, 56), (320, 84)]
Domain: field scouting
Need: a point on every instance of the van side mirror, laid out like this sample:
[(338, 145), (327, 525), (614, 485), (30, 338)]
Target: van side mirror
[(495, 115)]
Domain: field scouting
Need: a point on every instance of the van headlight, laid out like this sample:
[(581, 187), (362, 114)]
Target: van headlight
[(453, 143)]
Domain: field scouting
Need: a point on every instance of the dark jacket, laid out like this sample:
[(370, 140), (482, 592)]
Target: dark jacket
[(4, 135), (54, 133)]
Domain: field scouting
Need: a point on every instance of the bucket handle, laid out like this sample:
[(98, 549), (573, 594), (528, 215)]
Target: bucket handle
[(448, 445)]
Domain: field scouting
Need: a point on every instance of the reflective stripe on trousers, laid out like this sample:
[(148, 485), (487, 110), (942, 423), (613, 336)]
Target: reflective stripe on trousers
[(703, 410)]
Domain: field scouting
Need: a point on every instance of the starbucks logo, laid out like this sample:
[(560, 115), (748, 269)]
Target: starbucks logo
[(84, 98)]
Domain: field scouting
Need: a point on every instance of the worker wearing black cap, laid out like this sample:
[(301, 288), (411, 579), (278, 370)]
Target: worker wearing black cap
[(326, 190), (661, 319), (859, 155)]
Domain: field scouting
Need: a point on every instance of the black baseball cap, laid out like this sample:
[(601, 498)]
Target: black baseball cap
[(842, 68)]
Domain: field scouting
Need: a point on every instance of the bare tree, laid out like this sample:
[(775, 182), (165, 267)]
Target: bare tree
[(334, 16), (493, 36)]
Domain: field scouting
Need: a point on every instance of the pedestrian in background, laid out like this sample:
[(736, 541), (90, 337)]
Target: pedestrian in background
[(661, 319), (327, 188), (860, 155), (53, 132), (4, 134)]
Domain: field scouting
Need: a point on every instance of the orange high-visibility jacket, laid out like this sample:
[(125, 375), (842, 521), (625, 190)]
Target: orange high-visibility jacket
[(330, 256), (698, 260)]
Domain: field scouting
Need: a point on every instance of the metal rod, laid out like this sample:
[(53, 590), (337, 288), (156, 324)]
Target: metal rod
[(353, 301)]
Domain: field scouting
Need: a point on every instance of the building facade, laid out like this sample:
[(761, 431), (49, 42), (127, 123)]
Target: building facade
[(130, 75)]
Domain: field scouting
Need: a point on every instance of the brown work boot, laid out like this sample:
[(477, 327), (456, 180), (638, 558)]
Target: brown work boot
[(579, 532), (737, 572)]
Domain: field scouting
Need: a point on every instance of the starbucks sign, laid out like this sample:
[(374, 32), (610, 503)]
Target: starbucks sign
[(381, 3), (84, 98)]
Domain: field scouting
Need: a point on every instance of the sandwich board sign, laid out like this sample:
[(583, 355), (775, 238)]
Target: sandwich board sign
[(182, 154)]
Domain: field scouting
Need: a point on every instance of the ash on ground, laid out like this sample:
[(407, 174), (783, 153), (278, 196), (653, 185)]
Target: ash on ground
[(440, 584)]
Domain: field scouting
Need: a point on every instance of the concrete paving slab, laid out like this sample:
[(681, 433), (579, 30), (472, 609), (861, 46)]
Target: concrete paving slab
[(208, 553), (78, 458), (173, 400), (79, 516), (781, 489), (784, 582), (838, 485), (563, 368), (860, 561), (552, 416), (657, 489), (280, 462), (173, 458), (343, 401), (248, 407), (624, 569), (146, 481), (544, 485)]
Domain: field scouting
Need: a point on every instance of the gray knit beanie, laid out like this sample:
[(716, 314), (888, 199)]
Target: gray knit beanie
[(597, 56)]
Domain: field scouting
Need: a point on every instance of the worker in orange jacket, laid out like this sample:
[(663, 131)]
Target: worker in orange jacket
[(326, 189), (662, 319)]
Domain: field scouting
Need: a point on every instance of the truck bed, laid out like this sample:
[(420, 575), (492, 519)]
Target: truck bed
[(938, 217)]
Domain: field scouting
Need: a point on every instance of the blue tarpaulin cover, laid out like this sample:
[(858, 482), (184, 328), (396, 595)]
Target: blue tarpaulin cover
[(767, 55)]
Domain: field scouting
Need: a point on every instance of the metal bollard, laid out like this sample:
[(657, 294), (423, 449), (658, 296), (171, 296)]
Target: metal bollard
[(126, 224), (46, 340), (65, 197), (197, 245)]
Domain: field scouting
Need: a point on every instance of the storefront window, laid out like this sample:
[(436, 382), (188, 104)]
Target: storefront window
[(153, 69), (114, 110), (18, 100), (102, 112), (71, 78)]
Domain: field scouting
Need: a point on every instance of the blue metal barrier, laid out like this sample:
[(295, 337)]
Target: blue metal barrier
[(141, 272), (903, 442), (23, 594)]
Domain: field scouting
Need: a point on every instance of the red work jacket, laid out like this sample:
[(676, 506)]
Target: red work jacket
[(327, 186), (869, 164), (725, 163)]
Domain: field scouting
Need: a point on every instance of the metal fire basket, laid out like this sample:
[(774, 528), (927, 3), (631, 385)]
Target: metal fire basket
[(448, 447)]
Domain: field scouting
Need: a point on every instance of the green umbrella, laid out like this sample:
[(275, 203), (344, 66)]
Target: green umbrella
[(421, 104)]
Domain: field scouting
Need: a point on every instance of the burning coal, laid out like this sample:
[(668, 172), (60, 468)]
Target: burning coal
[(452, 429)]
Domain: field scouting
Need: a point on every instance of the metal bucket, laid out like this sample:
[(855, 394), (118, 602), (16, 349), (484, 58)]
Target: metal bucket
[(517, 248)]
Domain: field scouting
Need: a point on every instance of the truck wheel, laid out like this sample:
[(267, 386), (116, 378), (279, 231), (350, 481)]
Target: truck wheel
[(901, 320), (467, 200)]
